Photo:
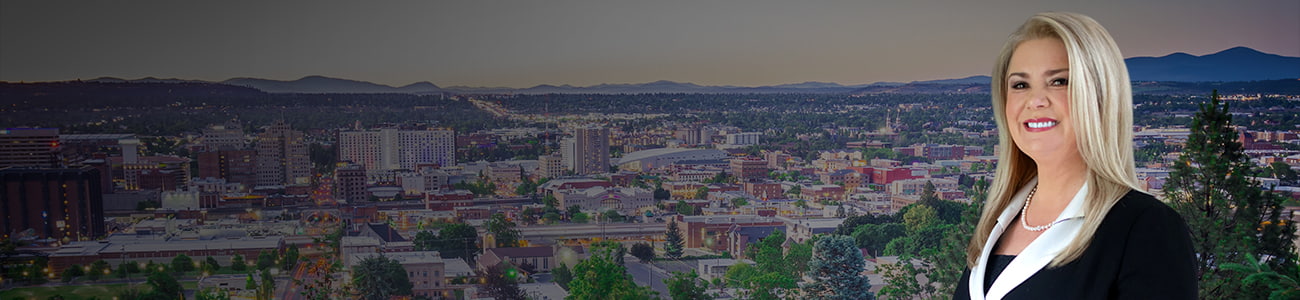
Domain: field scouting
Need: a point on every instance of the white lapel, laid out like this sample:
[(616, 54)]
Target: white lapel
[(1036, 255)]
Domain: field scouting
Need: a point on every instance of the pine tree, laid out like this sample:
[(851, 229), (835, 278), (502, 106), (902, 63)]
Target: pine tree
[(673, 241), (837, 270), (1229, 215)]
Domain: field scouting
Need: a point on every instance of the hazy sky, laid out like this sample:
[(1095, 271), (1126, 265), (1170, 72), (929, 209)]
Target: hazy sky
[(526, 43)]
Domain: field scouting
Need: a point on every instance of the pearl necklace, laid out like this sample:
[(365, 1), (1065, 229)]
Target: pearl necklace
[(1025, 215)]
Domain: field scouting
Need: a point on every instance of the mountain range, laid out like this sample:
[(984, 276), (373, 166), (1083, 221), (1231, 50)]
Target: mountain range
[(1235, 64)]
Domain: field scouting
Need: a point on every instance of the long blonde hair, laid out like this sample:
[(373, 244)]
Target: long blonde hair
[(1101, 107)]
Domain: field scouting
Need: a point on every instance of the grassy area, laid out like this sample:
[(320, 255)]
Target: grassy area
[(71, 292), (80, 292)]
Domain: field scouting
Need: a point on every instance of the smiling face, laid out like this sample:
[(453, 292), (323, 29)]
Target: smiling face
[(1038, 101)]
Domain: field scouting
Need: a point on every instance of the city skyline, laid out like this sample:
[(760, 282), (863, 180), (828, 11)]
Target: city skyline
[(583, 43)]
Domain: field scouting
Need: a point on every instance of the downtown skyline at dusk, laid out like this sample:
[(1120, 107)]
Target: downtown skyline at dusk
[(523, 44)]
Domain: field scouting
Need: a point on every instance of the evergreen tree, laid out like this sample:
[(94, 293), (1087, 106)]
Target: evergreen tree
[(562, 275), (266, 290), (237, 263), (673, 244), (265, 260), (1228, 213), (837, 270), (290, 258), (211, 265)]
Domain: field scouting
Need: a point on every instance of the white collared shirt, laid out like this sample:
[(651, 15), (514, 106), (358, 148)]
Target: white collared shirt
[(1037, 255)]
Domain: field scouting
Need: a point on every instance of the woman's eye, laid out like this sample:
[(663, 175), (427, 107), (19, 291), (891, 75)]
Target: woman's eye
[(1061, 81), (1019, 85)]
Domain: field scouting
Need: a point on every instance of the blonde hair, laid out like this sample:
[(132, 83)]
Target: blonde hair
[(1101, 107)]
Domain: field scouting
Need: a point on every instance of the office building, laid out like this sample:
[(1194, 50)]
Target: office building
[(591, 150), (64, 204), (397, 148), (30, 147), (282, 157)]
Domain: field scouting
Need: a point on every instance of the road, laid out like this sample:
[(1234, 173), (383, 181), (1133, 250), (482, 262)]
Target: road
[(647, 275)]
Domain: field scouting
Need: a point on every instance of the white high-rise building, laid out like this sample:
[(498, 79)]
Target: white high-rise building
[(567, 154), (393, 149), (743, 138)]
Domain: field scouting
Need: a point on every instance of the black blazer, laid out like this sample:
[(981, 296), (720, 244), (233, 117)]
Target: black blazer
[(1142, 250)]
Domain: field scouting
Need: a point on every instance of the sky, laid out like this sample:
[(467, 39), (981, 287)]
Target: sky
[(489, 43)]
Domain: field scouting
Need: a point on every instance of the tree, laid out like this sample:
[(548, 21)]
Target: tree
[(458, 241), (97, 269), (1228, 213), (182, 263), (581, 218), (290, 258), (1258, 274), (265, 260), (702, 193), (662, 194), (643, 251), (71, 272), (503, 230), (551, 217), (687, 286), (683, 208), (378, 278), (603, 276), (550, 200), (738, 202), (612, 216), (562, 275), (919, 217), (424, 241), (164, 285), (837, 270), (503, 282), (673, 243), (211, 265), (573, 210), (874, 237), (237, 263), (266, 290), (840, 213)]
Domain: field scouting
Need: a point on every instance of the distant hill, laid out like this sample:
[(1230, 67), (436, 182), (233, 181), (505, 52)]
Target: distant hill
[(1155, 75), (1235, 64), (327, 85)]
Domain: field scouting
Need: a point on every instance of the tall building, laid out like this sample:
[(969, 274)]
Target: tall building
[(350, 182), (62, 204), (228, 136), (567, 154), (743, 138), (30, 147), (550, 166), (235, 166), (394, 148), (746, 168), (282, 157), (591, 150)]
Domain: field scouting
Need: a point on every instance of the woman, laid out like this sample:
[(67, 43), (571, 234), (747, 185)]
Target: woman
[(1065, 216)]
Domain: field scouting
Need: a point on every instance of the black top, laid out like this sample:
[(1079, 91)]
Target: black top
[(1142, 250), (997, 263)]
